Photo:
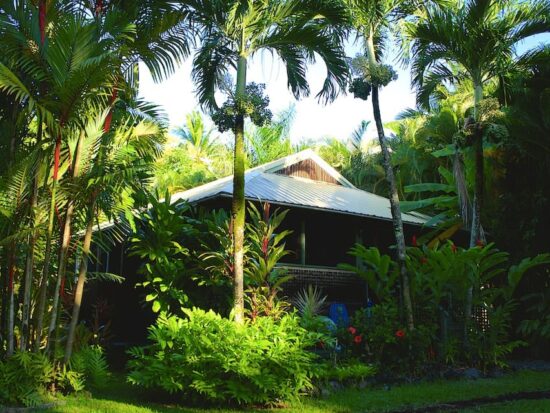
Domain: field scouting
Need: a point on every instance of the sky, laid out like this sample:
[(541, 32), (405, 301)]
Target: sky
[(313, 121)]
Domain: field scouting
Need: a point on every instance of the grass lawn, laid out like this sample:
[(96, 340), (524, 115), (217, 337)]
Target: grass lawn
[(122, 398)]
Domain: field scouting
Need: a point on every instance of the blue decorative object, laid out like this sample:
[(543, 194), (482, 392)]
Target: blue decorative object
[(369, 308), (339, 314)]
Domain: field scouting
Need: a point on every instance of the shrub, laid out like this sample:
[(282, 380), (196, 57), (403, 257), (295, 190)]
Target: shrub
[(90, 362), (28, 379), (213, 358)]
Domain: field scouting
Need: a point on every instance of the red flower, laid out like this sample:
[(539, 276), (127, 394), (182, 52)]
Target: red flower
[(400, 334), (352, 330), (423, 260), (357, 339), (414, 243), (480, 243), (453, 248)]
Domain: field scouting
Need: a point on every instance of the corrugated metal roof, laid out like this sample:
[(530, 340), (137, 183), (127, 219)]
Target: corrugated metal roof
[(262, 184)]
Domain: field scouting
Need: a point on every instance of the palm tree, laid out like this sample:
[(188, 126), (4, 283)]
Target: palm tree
[(269, 142), (372, 20), (232, 32), (475, 41), (199, 140), (115, 166)]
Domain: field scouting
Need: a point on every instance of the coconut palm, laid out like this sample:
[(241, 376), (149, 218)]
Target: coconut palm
[(475, 41), (232, 33)]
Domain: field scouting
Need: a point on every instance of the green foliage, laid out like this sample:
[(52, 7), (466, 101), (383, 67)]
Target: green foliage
[(215, 359), (350, 372), (440, 279), (253, 104), (378, 270), (172, 240), (90, 362), (31, 379), (164, 257)]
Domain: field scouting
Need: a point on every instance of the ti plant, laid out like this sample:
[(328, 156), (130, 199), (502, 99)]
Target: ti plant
[(266, 247)]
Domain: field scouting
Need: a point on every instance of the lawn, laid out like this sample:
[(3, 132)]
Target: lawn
[(122, 398)]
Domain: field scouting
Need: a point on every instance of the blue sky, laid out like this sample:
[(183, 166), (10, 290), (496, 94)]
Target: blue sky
[(313, 120)]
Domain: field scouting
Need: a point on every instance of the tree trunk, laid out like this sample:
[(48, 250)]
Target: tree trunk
[(47, 254), (65, 244), (394, 196), (475, 230), (82, 272), (11, 309), (238, 207), (29, 264), (29, 267)]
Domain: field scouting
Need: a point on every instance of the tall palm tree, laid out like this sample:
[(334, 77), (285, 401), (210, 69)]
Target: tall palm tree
[(232, 32), (475, 40), (372, 20)]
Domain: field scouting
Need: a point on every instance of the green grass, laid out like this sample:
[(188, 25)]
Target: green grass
[(122, 398)]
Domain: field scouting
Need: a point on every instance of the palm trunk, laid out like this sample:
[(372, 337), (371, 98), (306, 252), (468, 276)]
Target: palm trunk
[(475, 231), (47, 254), (11, 308), (238, 210), (29, 264), (394, 196), (83, 270), (65, 244)]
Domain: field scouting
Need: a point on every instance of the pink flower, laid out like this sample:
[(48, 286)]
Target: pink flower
[(352, 330)]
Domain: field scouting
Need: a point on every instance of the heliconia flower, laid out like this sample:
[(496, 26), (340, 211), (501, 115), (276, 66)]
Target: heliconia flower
[(400, 334), (266, 211), (413, 242), (357, 339), (352, 330)]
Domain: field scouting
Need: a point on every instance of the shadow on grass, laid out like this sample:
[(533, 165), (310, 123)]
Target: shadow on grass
[(121, 397)]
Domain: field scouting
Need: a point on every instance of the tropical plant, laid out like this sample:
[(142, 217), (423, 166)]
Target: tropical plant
[(233, 32), (266, 247), (474, 41), (213, 358)]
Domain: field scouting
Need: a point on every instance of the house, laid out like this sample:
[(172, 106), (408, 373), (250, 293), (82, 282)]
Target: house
[(327, 216)]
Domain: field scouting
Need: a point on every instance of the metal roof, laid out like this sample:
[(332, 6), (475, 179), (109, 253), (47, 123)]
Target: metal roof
[(264, 185)]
